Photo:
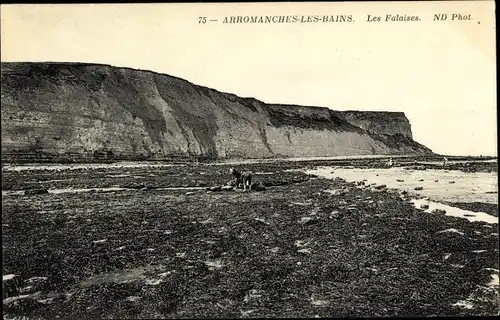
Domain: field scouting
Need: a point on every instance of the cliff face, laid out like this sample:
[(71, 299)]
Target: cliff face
[(82, 110), (385, 123)]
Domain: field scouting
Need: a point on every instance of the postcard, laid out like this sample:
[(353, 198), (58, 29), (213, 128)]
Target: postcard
[(249, 160)]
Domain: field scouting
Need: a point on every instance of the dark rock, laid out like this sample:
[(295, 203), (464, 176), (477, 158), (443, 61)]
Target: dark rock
[(257, 187), (438, 211), (214, 188), (419, 188), (10, 286), (31, 192)]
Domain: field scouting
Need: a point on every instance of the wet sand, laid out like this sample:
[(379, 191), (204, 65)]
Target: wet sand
[(438, 185)]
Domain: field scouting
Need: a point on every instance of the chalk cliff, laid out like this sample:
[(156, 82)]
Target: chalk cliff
[(57, 111)]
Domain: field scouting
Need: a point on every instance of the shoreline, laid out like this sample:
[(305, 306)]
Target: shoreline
[(304, 247)]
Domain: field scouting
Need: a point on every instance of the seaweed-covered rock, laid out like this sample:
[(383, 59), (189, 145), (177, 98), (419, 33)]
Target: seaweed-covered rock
[(438, 211)]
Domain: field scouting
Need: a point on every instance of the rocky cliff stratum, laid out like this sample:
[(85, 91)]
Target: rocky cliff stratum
[(55, 111)]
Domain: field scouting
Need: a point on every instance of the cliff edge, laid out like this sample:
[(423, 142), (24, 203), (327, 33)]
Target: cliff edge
[(56, 111)]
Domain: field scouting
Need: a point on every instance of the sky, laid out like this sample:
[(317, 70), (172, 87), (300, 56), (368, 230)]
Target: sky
[(441, 74)]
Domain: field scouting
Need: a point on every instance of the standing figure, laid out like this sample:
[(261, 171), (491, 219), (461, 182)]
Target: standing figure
[(390, 162), (240, 178), (445, 161)]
